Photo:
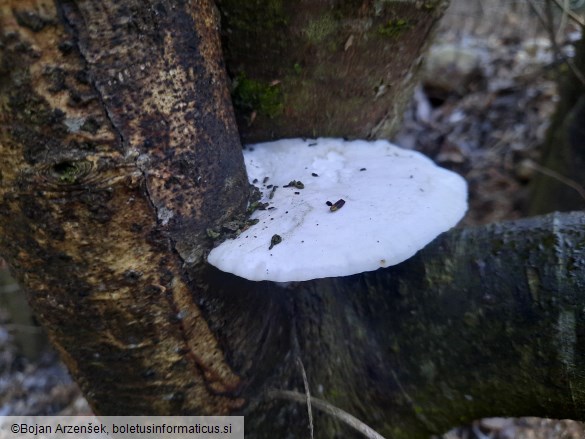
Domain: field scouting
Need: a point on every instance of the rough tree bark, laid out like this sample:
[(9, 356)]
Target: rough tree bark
[(324, 68), (119, 149), (117, 141)]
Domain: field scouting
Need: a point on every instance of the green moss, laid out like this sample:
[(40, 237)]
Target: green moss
[(394, 28), (321, 28), (251, 95), (70, 172), (431, 5), (65, 172)]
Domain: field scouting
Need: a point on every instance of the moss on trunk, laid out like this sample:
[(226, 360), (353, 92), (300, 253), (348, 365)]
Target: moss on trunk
[(341, 68)]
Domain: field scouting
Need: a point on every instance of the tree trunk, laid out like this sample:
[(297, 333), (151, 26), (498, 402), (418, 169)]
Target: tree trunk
[(119, 150), (341, 68), (564, 148), (483, 322)]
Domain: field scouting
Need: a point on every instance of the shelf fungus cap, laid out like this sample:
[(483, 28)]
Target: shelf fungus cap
[(339, 208)]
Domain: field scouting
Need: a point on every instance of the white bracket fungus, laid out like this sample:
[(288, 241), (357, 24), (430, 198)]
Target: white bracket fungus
[(339, 208)]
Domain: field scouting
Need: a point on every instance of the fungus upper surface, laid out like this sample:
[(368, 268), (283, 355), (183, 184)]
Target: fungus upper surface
[(337, 208)]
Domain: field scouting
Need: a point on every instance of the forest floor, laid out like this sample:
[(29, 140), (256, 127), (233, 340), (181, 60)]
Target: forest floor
[(482, 110), (488, 89)]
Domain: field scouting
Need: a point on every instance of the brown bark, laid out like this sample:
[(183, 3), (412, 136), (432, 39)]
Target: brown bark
[(119, 149)]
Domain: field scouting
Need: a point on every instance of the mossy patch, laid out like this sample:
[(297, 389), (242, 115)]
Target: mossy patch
[(394, 28), (70, 172), (321, 28), (65, 172), (251, 95), (432, 4)]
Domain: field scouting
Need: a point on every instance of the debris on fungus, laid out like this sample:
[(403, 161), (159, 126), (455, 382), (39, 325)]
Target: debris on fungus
[(390, 212)]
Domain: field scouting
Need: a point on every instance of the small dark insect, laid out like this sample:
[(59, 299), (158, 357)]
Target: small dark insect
[(269, 186), (329, 203), (314, 174), (297, 193), (337, 205), (362, 169), (313, 144), (255, 181), (276, 239), (265, 180)]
